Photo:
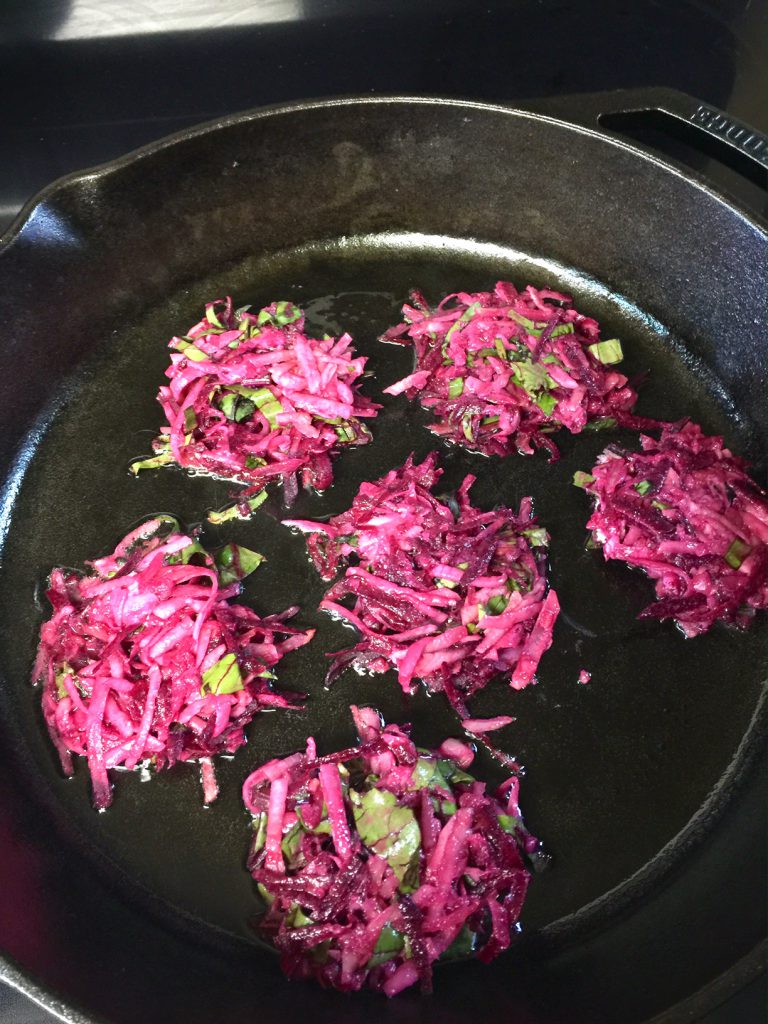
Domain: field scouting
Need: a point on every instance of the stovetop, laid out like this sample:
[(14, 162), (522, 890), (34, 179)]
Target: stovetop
[(84, 81)]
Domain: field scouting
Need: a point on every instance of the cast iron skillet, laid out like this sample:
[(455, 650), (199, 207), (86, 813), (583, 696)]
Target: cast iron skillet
[(646, 786)]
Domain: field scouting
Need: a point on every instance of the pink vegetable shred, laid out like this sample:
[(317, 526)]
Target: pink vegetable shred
[(252, 397), (685, 511), (379, 860), (449, 595), (146, 660), (503, 370)]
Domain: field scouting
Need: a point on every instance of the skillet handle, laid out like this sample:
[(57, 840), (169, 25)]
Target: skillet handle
[(707, 128)]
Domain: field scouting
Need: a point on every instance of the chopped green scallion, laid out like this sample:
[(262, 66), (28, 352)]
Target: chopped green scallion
[(607, 352), (737, 552), (546, 403), (162, 459), (234, 511), (582, 479), (191, 351), (222, 677)]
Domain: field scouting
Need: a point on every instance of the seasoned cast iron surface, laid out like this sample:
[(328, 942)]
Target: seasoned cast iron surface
[(655, 701)]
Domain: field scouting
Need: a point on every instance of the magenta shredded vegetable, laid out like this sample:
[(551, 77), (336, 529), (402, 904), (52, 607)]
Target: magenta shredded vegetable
[(503, 370), (685, 511), (146, 662), (452, 596), (379, 860), (252, 397)]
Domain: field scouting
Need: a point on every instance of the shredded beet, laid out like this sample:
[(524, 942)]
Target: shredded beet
[(503, 370), (379, 860), (685, 511), (452, 596), (252, 397), (145, 660)]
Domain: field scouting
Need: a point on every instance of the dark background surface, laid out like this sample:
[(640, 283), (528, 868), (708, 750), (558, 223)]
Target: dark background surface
[(83, 81)]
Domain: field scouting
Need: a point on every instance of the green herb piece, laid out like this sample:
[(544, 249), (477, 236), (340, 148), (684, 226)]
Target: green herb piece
[(191, 351), (265, 894), (462, 946), (265, 402), (190, 419), (532, 328), (603, 423), (234, 562), (163, 459), (426, 772), (211, 317), (440, 772), (643, 487), (184, 556), (285, 313), (234, 512), (531, 377), (223, 677), (466, 427), (562, 329), (546, 403), (260, 830), (582, 479), (736, 553), (497, 604), (390, 831), (296, 918), (61, 675), (253, 462), (465, 317), (537, 536), (244, 410), (452, 772), (389, 944), (509, 823), (345, 434), (660, 505), (607, 352), (489, 421), (499, 346), (228, 404), (291, 843), (455, 387)]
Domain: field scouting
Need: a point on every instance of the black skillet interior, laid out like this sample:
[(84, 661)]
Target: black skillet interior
[(624, 776)]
